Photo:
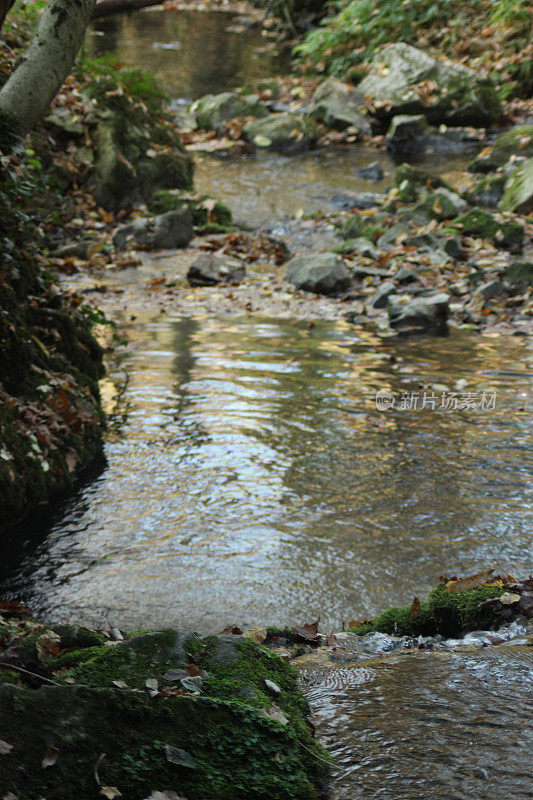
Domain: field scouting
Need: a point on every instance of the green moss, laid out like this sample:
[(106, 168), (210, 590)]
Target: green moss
[(447, 613), (475, 222), (352, 227), (486, 192)]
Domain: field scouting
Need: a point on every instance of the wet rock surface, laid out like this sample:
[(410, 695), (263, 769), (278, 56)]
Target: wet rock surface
[(164, 232), (210, 269), (323, 273)]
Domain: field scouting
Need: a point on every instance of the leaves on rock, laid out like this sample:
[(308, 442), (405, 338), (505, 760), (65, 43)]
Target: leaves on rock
[(110, 792), (48, 645), (473, 582)]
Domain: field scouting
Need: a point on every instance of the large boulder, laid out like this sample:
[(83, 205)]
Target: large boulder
[(286, 132), (323, 273), (516, 142), (338, 106), (164, 232), (214, 111), (410, 133), (164, 714), (518, 193), (399, 79)]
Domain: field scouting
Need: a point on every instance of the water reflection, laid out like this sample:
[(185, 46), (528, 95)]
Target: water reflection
[(191, 52), (255, 481)]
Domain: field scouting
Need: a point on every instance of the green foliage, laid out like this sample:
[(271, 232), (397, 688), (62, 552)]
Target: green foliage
[(109, 75), (510, 11), (352, 35)]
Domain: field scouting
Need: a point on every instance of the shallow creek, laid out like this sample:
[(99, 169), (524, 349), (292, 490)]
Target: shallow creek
[(253, 480)]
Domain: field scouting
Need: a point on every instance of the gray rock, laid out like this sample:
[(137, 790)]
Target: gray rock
[(405, 275), (323, 273), (519, 273), (452, 247), (380, 299), (365, 248), (213, 112), (411, 315), (65, 121), (210, 269), (361, 200), (412, 134), (486, 192), (337, 106), (460, 96), (360, 271), (388, 239), (372, 172), (490, 290), (286, 132), (165, 232), (518, 193)]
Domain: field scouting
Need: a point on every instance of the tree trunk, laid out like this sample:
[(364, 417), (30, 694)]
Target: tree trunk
[(107, 7), (5, 5), (41, 71)]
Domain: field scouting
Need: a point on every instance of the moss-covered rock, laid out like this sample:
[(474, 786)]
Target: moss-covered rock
[(508, 235), (286, 132), (231, 734), (214, 112), (518, 194), (487, 192), (446, 613), (516, 142)]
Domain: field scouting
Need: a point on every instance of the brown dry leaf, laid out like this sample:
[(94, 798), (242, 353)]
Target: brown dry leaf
[(256, 634), (5, 748), (10, 796), (48, 645), (50, 757), (473, 582), (233, 629), (193, 671), (415, 610), (308, 631), (355, 623), (110, 792)]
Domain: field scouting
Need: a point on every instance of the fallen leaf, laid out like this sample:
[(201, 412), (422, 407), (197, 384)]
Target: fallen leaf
[(508, 598), (151, 683), (120, 684), (415, 610), (194, 671), (274, 713), (175, 755), (256, 634), (110, 792), (5, 748), (272, 687), (48, 645), (50, 757), (309, 632), (168, 795), (473, 582), (233, 629)]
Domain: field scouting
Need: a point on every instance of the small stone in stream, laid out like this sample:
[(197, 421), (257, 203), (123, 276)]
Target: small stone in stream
[(406, 132), (380, 299), (415, 315), (372, 172), (405, 275), (286, 132), (164, 232), (323, 273), (490, 290), (211, 269), (361, 200), (272, 687), (213, 112)]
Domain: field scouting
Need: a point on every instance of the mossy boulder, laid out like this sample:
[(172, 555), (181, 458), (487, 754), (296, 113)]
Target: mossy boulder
[(286, 132), (518, 193), (414, 182), (519, 274), (445, 613), (516, 142), (487, 192), (441, 204), (236, 729), (508, 235), (208, 215), (397, 84), (214, 112)]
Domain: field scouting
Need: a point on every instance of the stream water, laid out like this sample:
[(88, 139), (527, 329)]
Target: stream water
[(254, 479)]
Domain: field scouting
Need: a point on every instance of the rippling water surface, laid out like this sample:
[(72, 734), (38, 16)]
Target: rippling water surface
[(254, 479)]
